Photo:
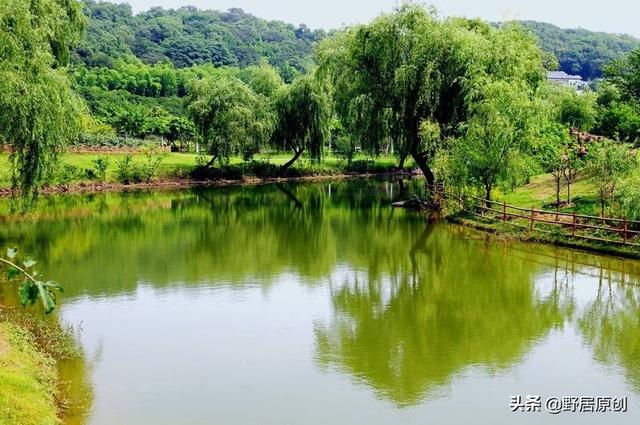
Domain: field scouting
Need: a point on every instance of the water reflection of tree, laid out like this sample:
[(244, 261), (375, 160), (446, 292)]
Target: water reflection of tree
[(449, 304), (611, 325), (234, 235)]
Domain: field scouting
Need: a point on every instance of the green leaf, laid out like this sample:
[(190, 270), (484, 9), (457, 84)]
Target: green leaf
[(12, 273), (53, 285), (47, 297), (26, 293), (28, 263), (11, 253)]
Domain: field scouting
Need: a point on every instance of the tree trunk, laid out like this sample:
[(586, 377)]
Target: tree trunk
[(403, 158), (602, 203), (421, 160), (210, 163), (557, 191), (568, 192), (487, 191), (289, 163)]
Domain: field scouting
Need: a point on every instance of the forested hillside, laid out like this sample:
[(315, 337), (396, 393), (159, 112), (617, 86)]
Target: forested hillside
[(188, 36), (580, 51)]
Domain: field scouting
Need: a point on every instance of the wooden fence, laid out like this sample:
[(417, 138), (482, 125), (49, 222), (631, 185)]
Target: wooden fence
[(601, 229)]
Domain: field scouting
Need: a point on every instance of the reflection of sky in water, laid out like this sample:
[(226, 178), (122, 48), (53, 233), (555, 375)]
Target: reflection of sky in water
[(219, 353)]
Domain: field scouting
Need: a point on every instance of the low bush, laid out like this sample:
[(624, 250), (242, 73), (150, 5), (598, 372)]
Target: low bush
[(65, 173), (262, 169), (99, 170), (127, 171)]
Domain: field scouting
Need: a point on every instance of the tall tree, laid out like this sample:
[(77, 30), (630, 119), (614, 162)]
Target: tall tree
[(409, 66), (303, 118), (38, 110)]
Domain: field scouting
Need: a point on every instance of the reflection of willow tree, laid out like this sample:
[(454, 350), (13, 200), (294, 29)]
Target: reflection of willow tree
[(445, 304), (611, 325), (233, 235)]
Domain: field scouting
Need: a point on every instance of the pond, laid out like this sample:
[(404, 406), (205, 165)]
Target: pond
[(318, 303)]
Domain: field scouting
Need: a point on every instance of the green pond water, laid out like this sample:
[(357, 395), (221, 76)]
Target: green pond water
[(320, 304)]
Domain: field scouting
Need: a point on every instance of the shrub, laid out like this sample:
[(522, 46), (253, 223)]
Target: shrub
[(99, 170), (344, 149), (154, 155), (126, 170), (262, 169), (65, 173)]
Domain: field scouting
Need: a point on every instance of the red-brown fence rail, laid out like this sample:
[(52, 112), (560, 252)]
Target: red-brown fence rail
[(601, 229)]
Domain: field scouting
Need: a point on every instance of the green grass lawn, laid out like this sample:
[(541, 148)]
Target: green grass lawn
[(542, 191)]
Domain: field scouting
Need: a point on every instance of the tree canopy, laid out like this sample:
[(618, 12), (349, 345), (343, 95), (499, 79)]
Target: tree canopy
[(303, 116), (580, 51), (409, 67), (188, 36), (230, 118), (38, 110)]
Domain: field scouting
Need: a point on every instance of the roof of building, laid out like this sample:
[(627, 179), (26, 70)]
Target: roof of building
[(561, 75)]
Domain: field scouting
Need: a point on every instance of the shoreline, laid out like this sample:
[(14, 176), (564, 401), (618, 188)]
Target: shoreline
[(496, 229), (32, 352), (88, 188)]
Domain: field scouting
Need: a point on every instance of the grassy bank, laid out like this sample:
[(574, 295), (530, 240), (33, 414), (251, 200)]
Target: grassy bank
[(27, 380), (506, 231), (32, 351), (77, 168), (540, 193)]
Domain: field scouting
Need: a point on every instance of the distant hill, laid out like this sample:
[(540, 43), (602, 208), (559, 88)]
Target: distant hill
[(188, 36), (579, 51)]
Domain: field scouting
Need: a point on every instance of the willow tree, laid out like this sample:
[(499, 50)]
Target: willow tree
[(303, 118), (409, 67), (230, 118), (38, 110)]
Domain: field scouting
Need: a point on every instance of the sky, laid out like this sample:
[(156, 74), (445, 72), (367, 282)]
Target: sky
[(619, 16)]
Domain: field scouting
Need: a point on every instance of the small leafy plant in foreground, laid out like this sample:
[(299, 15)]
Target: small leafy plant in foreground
[(32, 288)]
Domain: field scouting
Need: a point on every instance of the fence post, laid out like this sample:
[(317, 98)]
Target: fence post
[(624, 230), (573, 226), (504, 211), (532, 220)]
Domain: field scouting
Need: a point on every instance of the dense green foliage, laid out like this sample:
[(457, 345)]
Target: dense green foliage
[(303, 117), (230, 118), (580, 51), (188, 36), (619, 100), (464, 99), (426, 84), (38, 110)]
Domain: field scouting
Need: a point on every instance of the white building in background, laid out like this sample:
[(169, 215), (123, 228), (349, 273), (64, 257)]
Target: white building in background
[(562, 78)]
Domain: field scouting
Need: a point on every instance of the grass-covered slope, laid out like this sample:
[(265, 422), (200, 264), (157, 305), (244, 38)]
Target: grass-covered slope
[(27, 380)]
